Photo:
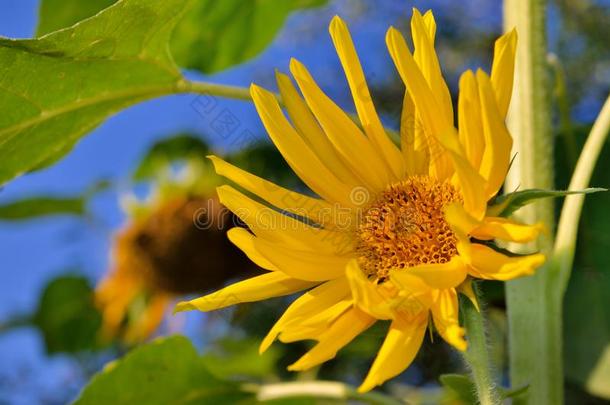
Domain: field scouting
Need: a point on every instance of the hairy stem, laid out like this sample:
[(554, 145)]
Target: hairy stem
[(477, 355)]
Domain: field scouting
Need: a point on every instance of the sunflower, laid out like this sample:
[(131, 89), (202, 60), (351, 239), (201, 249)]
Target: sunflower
[(172, 245), (394, 233)]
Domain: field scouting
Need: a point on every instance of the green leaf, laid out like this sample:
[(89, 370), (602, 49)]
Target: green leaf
[(507, 393), (461, 385), (241, 358), (67, 316), (166, 371), (56, 14), (55, 89), (213, 36), (162, 154), (35, 207), (506, 204), (230, 31)]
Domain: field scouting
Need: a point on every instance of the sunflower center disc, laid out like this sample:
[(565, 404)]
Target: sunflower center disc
[(405, 226)]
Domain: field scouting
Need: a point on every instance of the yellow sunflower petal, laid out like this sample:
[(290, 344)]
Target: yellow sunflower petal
[(313, 327), (426, 58), (244, 240), (303, 265), (310, 130), (316, 209), (362, 97), (412, 139), (507, 230), (439, 275), (274, 226), (274, 284), (461, 224), (340, 333), (145, 325), (399, 348), (498, 142), (471, 184), (503, 69), (469, 119), (423, 98), (298, 155), (445, 311), (488, 264), (367, 296), (344, 134), (436, 126), (313, 301), (467, 289)]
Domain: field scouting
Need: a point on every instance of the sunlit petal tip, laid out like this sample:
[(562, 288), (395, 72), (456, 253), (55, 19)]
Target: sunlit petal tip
[(467, 289), (258, 93), (336, 24), (456, 335), (281, 77), (267, 342), (305, 363), (184, 306), (297, 68), (392, 35), (366, 386)]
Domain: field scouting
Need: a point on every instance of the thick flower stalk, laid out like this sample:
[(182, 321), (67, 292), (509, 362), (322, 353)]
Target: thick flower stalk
[(394, 232)]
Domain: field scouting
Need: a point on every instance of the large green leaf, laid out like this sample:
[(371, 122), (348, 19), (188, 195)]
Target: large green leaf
[(230, 31), (56, 14), (213, 36), (55, 89), (240, 357), (66, 315), (166, 371)]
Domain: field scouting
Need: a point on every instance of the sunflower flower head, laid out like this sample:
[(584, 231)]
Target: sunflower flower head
[(173, 244), (393, 232)]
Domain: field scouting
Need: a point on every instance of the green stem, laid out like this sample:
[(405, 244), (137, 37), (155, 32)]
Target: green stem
[(477, 355), (534, 304), (318, 389), (220, 90), (567, 231)]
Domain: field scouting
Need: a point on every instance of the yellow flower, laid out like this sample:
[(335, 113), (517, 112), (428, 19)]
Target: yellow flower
[(395, 232), (174, 246)]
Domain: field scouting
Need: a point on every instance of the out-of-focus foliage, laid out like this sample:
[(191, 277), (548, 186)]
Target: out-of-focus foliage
[(587, 313), (57, 14), (50, 205), (36, 207), (166, 371), (163, 154), (212, 36), (77, 77), (67, 316), (263, 159)]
